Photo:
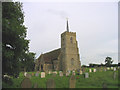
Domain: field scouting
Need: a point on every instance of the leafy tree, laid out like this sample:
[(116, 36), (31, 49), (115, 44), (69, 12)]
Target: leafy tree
[(14, 44), (108, 61), (27, 62)]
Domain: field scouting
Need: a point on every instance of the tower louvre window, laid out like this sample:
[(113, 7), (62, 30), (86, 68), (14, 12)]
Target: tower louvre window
[(71, 39)]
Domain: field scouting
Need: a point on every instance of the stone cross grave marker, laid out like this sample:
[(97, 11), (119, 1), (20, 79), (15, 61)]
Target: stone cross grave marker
[(86, 75), (37, 74), (42, 74), (50, 83), (72, 82), (90, 70), (26, 83)]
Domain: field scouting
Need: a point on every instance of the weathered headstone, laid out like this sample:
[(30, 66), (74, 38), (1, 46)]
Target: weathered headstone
[(50, 83), (72, 82), (94, 70), (73, 72), (114, 68), (108, 68), (55, 72), (61, 74), (28, 75), (111, 68), (90, 70), (81, 72), (35, 85), (49, 72), (25, 73), (42, 74), (26, 83), (37, 74), (86, 75)]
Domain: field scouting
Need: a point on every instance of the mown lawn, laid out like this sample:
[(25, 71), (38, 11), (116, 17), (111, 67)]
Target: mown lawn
[(95, 80)]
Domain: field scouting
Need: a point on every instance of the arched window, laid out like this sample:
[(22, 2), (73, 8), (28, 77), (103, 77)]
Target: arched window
[(71, 40), (72, 61)]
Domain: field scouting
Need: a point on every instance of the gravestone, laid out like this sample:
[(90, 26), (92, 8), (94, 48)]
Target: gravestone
[(94, 70), (72, 82), (50, 83), (61, 74), (90, 70), (55, 72), (49, 72), (108, 68), (73, 72), (81, 72), (114, 69), (67, 73), (35, 85), (37, 74), (26, 83), (28, 75), (114, 75), (42, 74), (25, 73), (86, 75)]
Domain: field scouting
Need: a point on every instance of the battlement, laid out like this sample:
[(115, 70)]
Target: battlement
[(68, 33)]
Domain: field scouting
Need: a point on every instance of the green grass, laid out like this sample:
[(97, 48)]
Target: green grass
[(95, 80)]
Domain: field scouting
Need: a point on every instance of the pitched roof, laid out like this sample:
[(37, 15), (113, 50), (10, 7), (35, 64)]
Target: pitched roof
[(50, 56)]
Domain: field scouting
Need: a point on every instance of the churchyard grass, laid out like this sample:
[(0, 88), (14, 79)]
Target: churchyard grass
[(95, 80)]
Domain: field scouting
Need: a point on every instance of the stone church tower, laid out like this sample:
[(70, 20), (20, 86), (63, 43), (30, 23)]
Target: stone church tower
[(64, 59), (69, 51)]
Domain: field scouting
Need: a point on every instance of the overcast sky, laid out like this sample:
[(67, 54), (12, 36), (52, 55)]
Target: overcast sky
[(95, 24)]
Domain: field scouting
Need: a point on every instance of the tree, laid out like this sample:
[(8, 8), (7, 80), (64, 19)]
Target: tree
[(108, 61), (27, 62), (14, 44)]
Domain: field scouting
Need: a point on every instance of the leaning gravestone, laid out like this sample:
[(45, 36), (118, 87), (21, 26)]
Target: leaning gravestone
[(72, 82), (86, 75), (50, 83), (37, 74), (28, 75), (42, 74), (26, 83)]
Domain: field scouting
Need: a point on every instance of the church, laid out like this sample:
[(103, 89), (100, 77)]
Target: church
[(63, 59)]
